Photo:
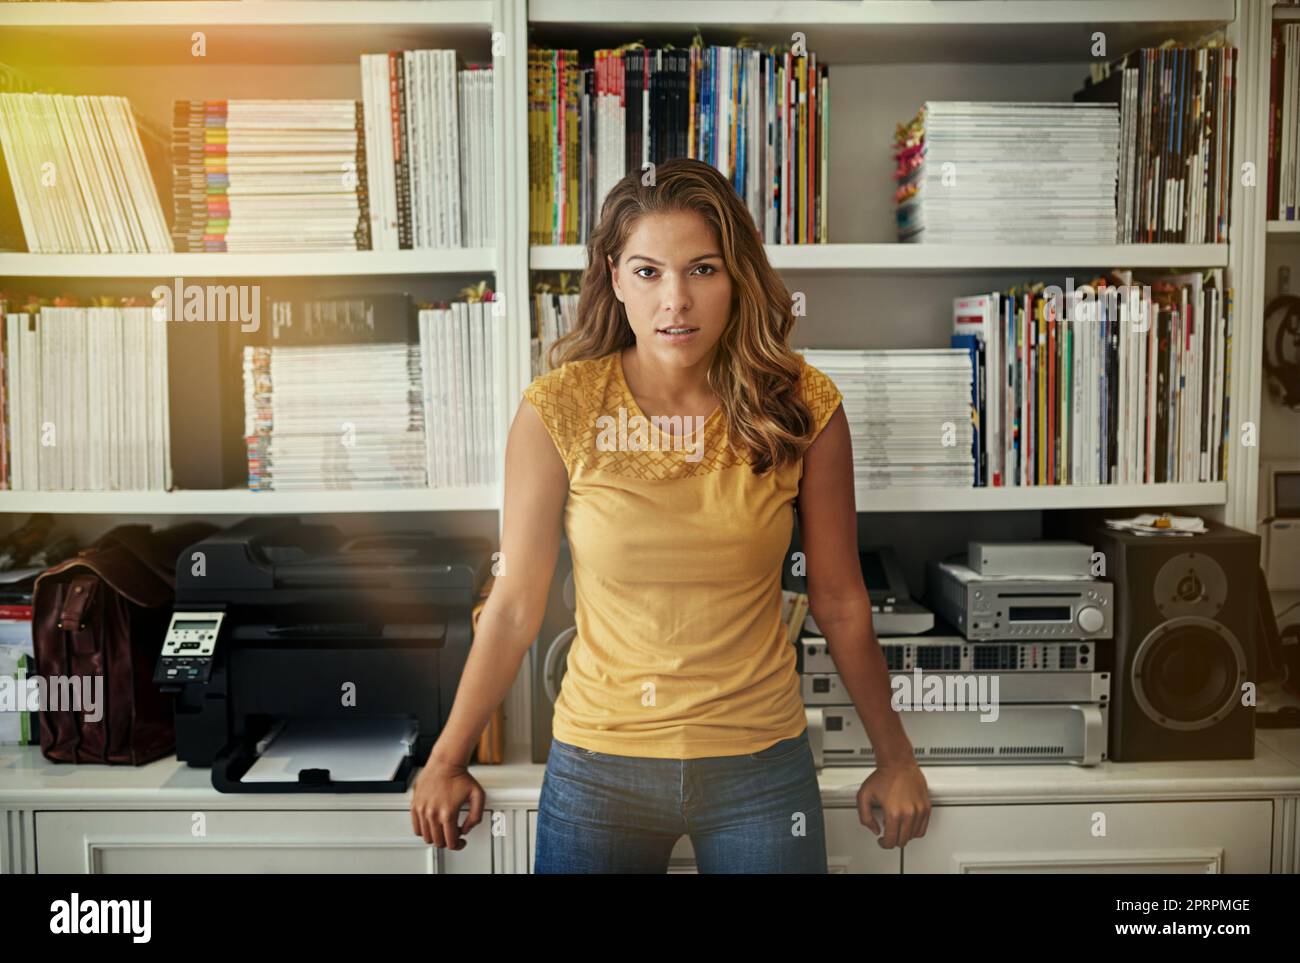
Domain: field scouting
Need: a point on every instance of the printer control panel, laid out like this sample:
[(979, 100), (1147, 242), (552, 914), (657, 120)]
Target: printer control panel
[(187, 650)]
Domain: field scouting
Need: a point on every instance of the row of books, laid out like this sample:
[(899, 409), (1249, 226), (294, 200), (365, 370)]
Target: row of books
[(1120, 382), (964, 174), (909, 414), (761, 117), (413, 168), (79, 176), (85, 399), (462, 346), (554, 314), (429, 145), (374, 408), (1177, 108), (268, 175)]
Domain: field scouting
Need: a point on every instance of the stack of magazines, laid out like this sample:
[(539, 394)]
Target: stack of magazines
[(554, 315), (354, 392), (334, 416), (1024, 173), (84, 399), (268, 176), (79, 176), (462, 345), (429, 150), (1177, 108), (909, 414)]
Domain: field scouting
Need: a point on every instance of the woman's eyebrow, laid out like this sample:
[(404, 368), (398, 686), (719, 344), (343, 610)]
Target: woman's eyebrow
[(650, 260)]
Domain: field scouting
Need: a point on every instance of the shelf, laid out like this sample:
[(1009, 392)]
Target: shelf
[(1287, 230), (353, 263), (1040, 497), (943, 258), (240, 501), (238, 31), (893, 31)]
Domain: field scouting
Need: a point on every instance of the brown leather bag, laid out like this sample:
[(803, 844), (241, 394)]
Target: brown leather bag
[(105, 613)]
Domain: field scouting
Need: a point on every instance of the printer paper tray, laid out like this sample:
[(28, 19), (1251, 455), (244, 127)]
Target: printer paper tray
[(234, 761)]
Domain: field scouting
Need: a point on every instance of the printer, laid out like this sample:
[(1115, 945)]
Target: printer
[(283, 627)]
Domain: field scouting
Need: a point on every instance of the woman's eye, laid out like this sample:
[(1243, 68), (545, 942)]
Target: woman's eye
[(649, 272)]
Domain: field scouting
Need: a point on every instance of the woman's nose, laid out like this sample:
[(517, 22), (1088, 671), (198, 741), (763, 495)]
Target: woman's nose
[(676, 295)]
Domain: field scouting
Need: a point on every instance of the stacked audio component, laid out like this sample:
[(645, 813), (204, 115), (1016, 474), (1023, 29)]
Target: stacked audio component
[(1024, 682)]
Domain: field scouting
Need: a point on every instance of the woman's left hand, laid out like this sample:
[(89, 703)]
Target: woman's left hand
[(902, 793)]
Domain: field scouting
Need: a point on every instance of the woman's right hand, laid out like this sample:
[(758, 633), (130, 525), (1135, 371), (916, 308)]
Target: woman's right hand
[(440, 790)]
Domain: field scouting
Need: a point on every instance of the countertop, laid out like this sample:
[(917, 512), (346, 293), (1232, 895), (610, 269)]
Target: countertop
[(29, 781)]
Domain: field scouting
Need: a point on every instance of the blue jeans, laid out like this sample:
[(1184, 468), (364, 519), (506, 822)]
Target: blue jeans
[(758, 812)]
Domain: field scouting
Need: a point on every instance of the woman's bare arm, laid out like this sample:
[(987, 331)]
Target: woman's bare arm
[(536, 487), (837, 596)]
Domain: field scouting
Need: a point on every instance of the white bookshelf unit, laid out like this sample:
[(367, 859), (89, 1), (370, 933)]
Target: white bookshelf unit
[(885, 56), (139, 48)]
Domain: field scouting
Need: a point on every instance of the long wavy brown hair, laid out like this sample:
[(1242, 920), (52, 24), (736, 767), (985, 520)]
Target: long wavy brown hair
[(754, 371)]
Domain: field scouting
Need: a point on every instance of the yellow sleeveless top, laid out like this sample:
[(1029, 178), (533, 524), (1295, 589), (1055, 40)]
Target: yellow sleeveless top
[(677, 554)]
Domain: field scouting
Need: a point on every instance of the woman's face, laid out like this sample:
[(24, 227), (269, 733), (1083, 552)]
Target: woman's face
[(674, 287)]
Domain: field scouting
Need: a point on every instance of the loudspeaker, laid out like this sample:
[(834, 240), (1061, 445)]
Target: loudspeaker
[(1186, 616), (550, 652)]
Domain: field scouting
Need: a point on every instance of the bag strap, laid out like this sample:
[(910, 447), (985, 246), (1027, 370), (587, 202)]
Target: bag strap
[(72, 615), (123, 572)]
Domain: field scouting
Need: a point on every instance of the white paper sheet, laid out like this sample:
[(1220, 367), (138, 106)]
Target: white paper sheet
[(352, 750)]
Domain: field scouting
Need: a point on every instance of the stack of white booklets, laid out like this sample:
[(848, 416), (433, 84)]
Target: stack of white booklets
[(429, 150), (1015, 173), (909, 414), (554, 316), (334, 417), (79, 175), (267, 176), (87, 396), (461, 346)]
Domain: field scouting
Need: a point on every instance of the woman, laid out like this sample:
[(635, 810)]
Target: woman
[(673, 443)]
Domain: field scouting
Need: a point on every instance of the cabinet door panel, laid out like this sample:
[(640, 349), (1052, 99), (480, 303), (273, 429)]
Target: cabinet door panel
[(1172, 837), (247, 842)]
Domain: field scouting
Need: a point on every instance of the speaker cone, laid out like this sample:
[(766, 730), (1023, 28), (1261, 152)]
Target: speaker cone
[(1187, 673)]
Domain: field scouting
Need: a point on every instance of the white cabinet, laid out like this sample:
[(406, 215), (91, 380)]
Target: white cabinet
[(1167, 837), (224, 841)]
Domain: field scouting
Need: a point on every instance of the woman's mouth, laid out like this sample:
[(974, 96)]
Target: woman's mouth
[(677, 333)]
